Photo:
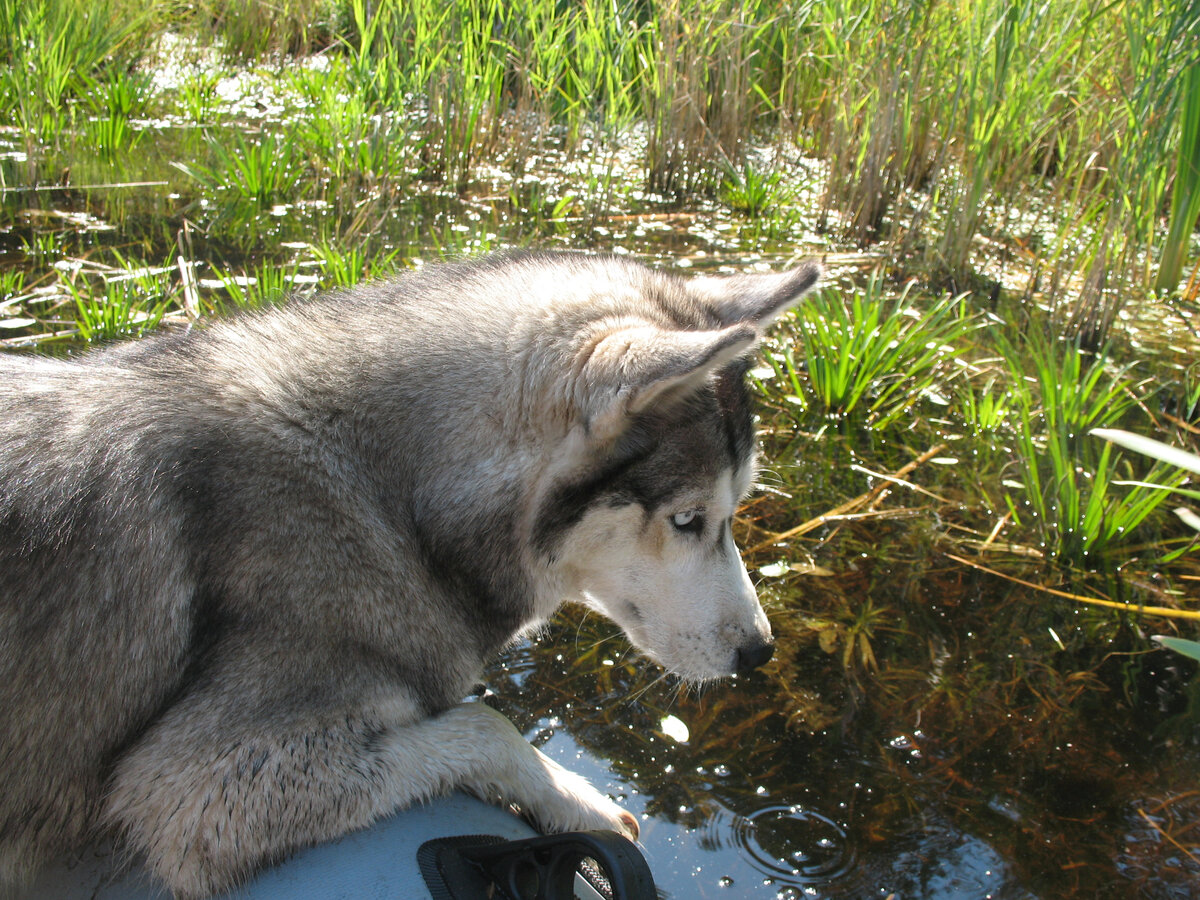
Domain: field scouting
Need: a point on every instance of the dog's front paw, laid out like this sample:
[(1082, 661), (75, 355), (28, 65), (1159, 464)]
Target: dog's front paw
[(518, 773), (574, 805)]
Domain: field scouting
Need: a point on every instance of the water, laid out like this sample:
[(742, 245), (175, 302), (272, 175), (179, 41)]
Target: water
[(870, 807)]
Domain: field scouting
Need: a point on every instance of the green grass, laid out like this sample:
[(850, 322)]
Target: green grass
[(869, 357), (264, 285), (123, 306), (54, 50), (986, 411), (253, 29), (1185, 191), (259, 170), (1081, 500), (753, 191), (929, 117), (342, 267)]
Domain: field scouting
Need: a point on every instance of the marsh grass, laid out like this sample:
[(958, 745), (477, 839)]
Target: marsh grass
[(53, 51), (198, 99), (125, 304), (1081, 499), (1185, 191), (752, 190), (870, 357), (930, 127), (987, 410), (930, 119), (341, 267), (265, 285), (355, 146), (252, 29), (258, 170), (113, 102)]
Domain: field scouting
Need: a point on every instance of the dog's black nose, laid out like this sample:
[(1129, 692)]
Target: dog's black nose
[(754, 655)]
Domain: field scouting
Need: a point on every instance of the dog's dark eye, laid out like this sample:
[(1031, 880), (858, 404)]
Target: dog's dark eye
[(691, 521)]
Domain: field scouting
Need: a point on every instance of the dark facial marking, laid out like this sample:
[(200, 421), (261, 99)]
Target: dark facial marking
[(733, 400), (662, 453)]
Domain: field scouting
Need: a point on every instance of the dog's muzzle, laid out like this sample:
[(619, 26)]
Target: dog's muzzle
[(753, 655)]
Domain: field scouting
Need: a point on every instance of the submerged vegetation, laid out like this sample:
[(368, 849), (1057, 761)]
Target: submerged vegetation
[(1006, 195)]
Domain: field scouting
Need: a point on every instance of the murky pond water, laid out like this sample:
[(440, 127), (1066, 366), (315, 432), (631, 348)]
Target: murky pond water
[(736, 804)]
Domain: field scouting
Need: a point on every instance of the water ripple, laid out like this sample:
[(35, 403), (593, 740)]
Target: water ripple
[(789, 844)]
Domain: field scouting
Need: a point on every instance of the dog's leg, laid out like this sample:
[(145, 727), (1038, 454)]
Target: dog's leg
[(556, 798), (207, 814)]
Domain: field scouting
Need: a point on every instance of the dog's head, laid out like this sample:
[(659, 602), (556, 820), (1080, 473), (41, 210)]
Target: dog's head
[(636, 518)]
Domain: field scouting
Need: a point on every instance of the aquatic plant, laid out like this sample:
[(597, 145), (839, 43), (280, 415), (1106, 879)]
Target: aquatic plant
[(1067, 496), (1171, 457), (697, 93), (259, 169), (12, 283), (1185, 190), (346, 137), (751, 190), (984, 410), (869, 353), (53, 50), (111, 137), (1188, 648), (198, 98), (344, 267), (250, 29), (264, 285), (113, 102), (123, 306)]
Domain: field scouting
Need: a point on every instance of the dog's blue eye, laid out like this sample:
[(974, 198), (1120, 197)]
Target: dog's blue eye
[(691, 520)]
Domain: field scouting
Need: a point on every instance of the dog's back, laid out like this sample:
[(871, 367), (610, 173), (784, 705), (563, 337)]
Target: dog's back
[(92, 637)]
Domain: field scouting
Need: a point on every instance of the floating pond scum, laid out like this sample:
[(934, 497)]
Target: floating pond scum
[(965, 578)]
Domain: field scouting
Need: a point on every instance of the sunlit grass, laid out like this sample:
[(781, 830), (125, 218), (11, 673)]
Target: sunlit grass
[(930, 118), (122, 306), (265, 285), (346, 267), (54, 50), (871, 354), (258, 169), (1080, 498)]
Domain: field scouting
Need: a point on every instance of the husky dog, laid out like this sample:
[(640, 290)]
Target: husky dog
[(248, 573)]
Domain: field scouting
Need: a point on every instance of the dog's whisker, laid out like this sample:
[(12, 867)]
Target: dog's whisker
[(649, 685)]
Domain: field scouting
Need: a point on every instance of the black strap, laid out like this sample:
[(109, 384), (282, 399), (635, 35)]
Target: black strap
[(539, 868)]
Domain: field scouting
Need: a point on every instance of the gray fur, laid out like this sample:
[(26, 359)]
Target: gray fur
[(247, 573)]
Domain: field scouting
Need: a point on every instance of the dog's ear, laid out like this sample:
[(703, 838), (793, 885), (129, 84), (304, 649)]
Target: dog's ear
[(635, 367), (756, 299)]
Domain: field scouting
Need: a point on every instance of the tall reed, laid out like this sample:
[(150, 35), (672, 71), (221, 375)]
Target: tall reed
[(1185, 189), (52, 50)]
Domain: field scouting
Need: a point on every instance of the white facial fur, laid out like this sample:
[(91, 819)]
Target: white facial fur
[(682, 596)]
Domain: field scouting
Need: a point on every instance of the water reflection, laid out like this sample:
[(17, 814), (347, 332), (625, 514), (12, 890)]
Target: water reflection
[(744, 807)]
